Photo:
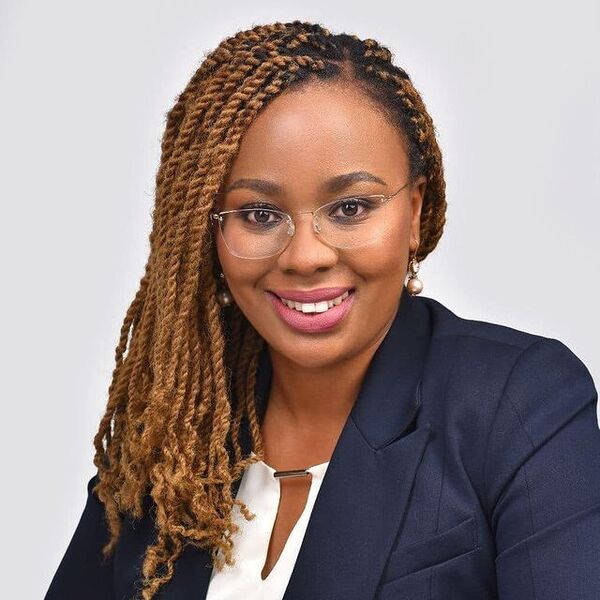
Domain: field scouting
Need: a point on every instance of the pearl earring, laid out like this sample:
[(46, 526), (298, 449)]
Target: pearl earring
[(224, 297), (414, 284)]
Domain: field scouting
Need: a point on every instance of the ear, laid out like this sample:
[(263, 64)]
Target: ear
[(417, 195)]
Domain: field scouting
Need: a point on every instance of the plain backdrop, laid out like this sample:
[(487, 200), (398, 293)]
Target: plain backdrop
[(514, 91)]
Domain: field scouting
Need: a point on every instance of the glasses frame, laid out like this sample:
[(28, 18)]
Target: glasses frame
[(217, 219)]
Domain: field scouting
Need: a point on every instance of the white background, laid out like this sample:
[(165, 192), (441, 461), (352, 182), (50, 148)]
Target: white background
[(513, 88)]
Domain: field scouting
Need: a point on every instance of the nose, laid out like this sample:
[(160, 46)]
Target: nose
[(306, 251)]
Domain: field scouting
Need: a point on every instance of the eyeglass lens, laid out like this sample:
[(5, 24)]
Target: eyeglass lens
[(262, 232)]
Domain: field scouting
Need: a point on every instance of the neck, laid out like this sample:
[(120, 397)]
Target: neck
[(316, 398)]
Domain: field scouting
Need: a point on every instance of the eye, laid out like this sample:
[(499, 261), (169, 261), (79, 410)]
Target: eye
[(260, 213), (351, 208)]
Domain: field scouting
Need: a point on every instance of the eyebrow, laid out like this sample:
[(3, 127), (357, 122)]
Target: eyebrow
[(333, 185)]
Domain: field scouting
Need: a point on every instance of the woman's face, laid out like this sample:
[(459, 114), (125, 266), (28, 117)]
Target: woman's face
[(298, 144)]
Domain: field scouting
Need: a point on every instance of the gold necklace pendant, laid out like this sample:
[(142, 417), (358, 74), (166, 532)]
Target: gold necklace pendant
[(295, 473)]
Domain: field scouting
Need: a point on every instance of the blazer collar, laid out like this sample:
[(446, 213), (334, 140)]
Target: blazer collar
[(361, 504)]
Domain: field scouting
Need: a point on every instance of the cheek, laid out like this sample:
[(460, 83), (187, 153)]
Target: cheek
[(386, 257), (384, 263), (241, 276)]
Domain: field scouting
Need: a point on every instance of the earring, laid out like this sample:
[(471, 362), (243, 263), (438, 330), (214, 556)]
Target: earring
[(224, 297), (414, 285)]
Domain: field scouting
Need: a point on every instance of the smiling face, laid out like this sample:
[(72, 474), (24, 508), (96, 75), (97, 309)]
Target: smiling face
[(299, 146)]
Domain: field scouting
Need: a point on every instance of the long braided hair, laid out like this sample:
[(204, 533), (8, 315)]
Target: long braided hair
[(170, 430)]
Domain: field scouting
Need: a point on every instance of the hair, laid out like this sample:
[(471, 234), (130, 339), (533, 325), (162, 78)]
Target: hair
[(170, 431)]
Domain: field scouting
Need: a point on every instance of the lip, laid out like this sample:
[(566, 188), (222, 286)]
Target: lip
[(311, 322), (318, 295)]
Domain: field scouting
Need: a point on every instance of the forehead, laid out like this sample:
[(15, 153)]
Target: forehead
[(317, 131)]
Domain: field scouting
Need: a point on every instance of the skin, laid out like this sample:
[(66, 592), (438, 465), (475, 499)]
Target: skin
[(302, 138)]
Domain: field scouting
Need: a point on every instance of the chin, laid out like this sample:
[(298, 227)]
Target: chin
[(313, 352)]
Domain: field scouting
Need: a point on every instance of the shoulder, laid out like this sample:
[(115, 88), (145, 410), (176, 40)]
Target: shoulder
[(531, 380), (91, 485), (523, 400), (517, 351), (447, 323)]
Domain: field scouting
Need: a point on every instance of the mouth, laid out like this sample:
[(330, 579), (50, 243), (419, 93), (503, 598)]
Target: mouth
[(320, 306), (312, 317)]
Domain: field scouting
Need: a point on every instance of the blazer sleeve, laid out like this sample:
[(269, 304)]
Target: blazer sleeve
[(542, 478), (83, 573)]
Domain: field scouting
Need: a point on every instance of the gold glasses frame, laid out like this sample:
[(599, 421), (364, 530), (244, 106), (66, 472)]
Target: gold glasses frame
[(217, 218)]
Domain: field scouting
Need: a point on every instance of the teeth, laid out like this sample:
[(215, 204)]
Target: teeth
[(315, 307)]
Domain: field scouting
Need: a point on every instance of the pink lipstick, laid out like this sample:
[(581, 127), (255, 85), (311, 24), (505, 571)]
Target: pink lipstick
[(313, 322)]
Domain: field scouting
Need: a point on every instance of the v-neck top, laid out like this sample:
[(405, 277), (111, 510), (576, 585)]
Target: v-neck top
[(261, 492)]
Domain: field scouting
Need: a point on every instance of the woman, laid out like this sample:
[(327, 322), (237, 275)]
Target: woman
[(291, 420)]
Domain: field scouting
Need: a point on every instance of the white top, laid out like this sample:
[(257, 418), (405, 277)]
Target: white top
[(261, 491)]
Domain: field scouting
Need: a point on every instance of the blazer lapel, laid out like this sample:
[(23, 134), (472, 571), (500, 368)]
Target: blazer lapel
[(363, 496)]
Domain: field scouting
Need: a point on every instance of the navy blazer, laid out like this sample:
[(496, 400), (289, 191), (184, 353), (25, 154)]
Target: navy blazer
[(468, 468)]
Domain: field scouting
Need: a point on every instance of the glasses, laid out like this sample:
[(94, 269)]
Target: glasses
[(258, 230)]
